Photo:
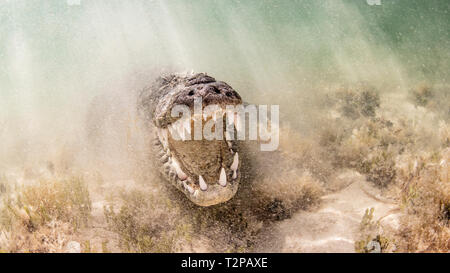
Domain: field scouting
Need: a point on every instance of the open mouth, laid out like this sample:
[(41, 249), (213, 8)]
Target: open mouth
[(207, 171)]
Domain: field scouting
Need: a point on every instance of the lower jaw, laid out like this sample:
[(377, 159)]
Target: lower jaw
[(215, 193)]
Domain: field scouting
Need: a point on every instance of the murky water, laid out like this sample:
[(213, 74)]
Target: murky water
[(57, 56)]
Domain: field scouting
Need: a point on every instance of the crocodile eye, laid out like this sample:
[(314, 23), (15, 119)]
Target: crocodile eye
[(191, 93), (228, 94)]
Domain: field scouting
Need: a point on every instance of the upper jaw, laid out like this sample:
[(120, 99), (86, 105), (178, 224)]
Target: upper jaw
[(181, 95)]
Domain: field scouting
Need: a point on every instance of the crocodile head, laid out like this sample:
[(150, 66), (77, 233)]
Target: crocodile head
[(206, 171)]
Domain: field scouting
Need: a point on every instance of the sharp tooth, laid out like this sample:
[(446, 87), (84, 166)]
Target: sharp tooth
[(189, 188), (177, 168), (162, 135), (234, 174), (230, 144), (230, 118), (223, 178), (173, 128), (176, 131), (228, 135), (176, 128), (202, 183), (235, 164)]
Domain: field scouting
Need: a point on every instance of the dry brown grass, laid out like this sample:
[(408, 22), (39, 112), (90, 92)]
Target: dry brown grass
[(301, 153), (40, 217), (370, 234), (434, 98), (291, 191), (370, 147), (425, 183), (148, 223), (399, 155), (391, 152)]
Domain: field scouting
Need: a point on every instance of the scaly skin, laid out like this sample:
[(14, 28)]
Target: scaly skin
[(206, 171)]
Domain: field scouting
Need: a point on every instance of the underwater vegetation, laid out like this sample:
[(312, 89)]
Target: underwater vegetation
[(146, 223), (362, 90), (409, 164), (425, 198), (40, 217)]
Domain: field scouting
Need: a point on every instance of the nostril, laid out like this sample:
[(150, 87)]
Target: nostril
[(191, 93), (229, 94)]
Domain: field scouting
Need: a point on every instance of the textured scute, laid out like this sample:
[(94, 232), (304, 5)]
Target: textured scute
[(187, 163), (156, 101)]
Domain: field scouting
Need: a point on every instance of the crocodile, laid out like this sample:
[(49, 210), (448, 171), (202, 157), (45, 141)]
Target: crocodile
[(206, 171)]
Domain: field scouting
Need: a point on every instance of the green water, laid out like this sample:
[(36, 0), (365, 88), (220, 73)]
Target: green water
[(55, 56)]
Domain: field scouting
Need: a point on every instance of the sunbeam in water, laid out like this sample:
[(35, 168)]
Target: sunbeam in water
[(364, 103)]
